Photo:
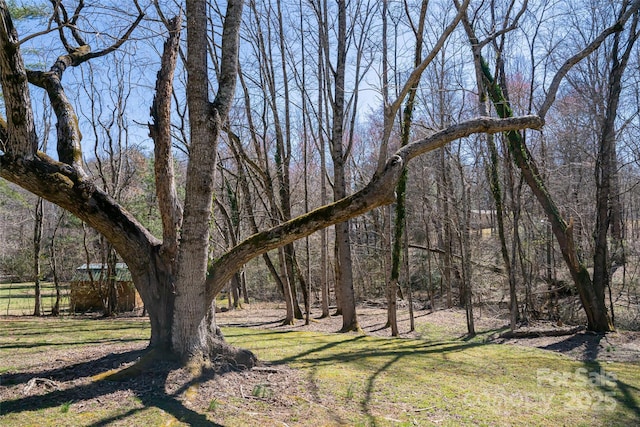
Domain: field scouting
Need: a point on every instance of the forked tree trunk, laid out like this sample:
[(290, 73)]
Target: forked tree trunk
[(194, 333)]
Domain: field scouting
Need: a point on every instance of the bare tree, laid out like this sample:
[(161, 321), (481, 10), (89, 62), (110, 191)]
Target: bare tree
[(175, 276)]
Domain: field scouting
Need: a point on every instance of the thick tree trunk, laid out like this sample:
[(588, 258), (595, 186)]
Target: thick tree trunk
[(344, 278), (21, 133), (193, 331), (159, 299)]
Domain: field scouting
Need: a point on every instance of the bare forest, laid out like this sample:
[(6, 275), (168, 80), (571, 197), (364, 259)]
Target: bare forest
[(326, 154)]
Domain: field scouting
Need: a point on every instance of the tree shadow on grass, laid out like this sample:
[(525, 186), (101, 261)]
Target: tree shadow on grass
[(606, 390), (148, 387), (88, 368), (588, 342), (70, 343), (257, 324), (388, 352)]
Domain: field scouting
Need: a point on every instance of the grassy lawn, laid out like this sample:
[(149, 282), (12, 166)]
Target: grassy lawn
[(340, 380), (17, 299), (377, 381)]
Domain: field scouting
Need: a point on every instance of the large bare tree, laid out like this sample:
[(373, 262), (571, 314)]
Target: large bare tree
[(174, 275)]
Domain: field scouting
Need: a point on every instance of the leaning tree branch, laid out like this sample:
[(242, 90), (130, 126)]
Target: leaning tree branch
[(58, 8), (378, 192), (229, 60), (41, 33), (72, 24), (22, 138), (590, 48), (59, 183), (68, 131), (413, 79), (115, 46)]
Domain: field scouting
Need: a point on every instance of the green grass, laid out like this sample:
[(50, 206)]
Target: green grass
[(347, 379), (376, 381), (24, 340), (17, 299)]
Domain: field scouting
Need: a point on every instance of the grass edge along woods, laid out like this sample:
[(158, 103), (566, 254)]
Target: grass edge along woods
[(17, 299), (342, 379)]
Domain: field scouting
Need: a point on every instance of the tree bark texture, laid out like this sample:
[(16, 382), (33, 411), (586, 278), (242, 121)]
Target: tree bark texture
[(194, 333), (21, 140)]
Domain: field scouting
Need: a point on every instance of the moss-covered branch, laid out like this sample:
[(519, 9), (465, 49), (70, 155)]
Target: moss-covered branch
[(58, 183), (379, 191)]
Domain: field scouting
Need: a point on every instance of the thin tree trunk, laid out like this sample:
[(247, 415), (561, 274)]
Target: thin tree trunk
[(37, 244), (53, 260), (243, 285), (607, 199), (324, 255), (401, 188), (465, 242), (343, 266), (407, 276), (446, 226)]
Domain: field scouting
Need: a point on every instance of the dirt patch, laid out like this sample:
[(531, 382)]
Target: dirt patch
[(184, 392)]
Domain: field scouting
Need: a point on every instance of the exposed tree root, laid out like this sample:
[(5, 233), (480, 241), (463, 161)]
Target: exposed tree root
[(219, 355), (287, 322), (352, 328), (148, 361), (239, 358)]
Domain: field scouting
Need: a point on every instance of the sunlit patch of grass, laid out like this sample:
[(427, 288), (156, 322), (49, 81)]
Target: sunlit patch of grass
[(456, 382), (18, 299), (214, 404), (22, 338), (103, 375), (64, 408)]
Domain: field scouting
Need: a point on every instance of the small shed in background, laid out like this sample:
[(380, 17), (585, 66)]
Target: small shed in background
[(90, 288)]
